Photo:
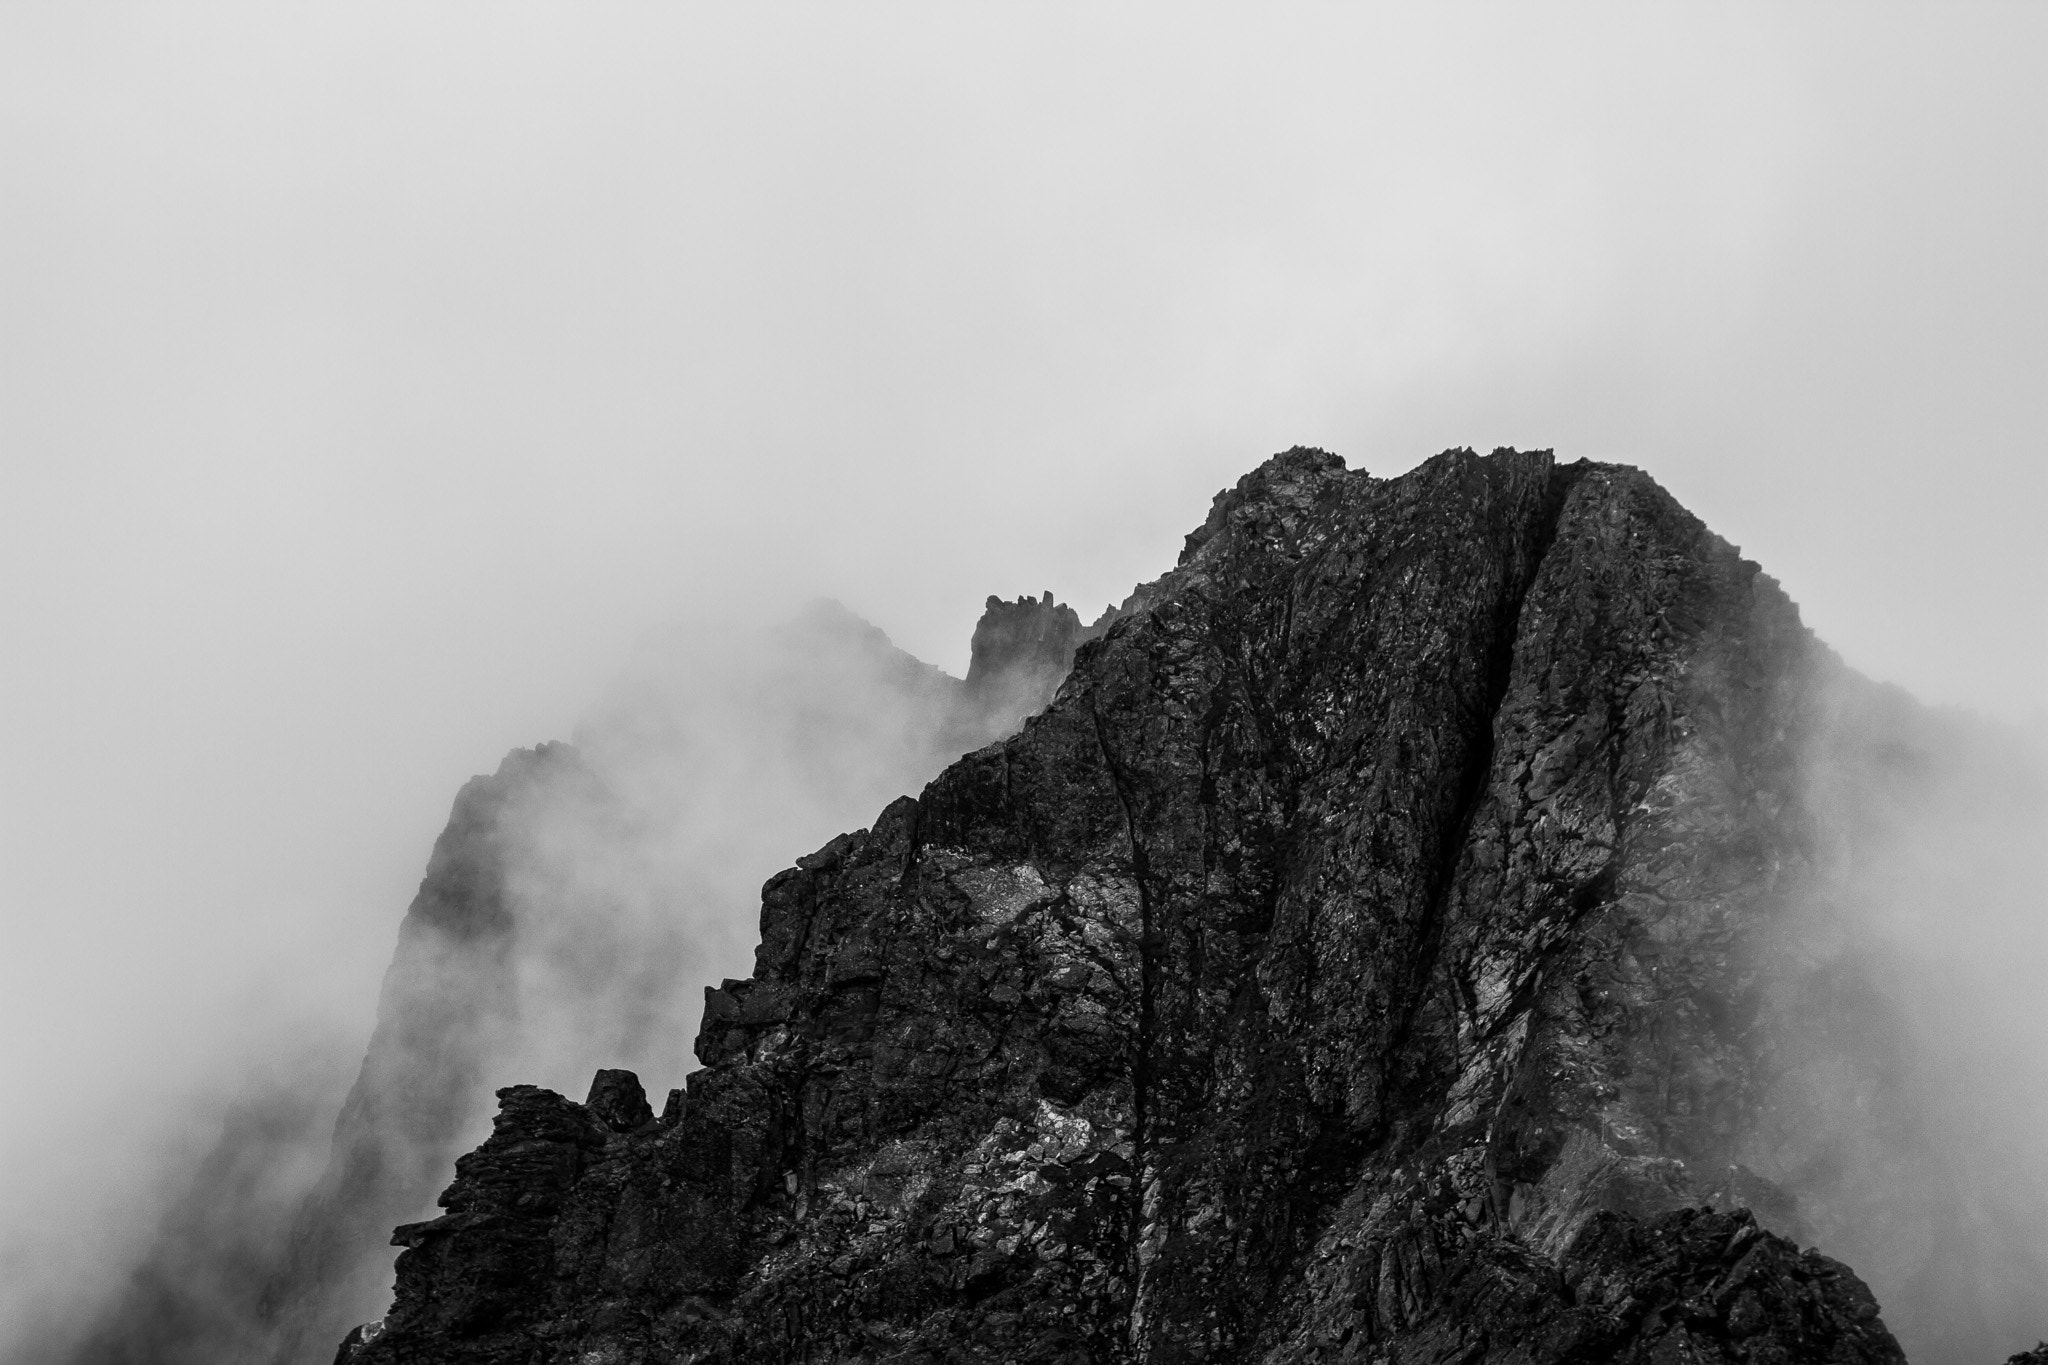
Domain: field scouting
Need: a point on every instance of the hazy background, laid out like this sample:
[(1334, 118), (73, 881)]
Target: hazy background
[(372, 377)]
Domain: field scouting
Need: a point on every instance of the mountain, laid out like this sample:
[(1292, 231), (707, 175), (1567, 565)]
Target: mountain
[(573, 897), (1422, 927)]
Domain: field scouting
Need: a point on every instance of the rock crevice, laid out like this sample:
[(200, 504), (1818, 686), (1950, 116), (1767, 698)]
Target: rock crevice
[(1356, 961)]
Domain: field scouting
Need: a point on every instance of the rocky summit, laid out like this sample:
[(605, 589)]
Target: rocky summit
[(1392, 943)]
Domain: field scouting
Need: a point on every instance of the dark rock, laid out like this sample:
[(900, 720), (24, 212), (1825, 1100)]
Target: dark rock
[(250, 1267), (1361, 958), (617, 1101)]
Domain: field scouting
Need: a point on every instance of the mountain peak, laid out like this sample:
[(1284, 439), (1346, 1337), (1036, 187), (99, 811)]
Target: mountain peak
[(1343, 965)]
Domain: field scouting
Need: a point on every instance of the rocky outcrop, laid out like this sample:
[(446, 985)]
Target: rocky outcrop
[(550, 928), (451, 1011), (1020, 652), (563, 1210), (1368, 955)]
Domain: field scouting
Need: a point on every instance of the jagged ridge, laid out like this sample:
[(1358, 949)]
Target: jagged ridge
[(1360, 959), (524, 942)]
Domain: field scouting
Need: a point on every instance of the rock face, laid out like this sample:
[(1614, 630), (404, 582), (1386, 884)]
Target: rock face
[(564, 909), (1021, 651), (1367, 956), (510, 869)]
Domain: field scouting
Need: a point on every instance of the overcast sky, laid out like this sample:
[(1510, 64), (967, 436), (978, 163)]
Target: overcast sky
[(372, 375)]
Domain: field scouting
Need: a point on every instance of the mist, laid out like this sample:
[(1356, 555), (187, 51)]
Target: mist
[(1911, 1090), (573, 911), (372, 380), (724, 752)]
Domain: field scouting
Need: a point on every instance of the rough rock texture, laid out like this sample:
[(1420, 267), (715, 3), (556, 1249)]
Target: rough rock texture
[(450, 1000), (1363, 958), (523, 945)]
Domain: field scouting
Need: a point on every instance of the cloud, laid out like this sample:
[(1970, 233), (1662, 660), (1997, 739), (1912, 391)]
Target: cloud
[(572, 913), (1910, 1095)]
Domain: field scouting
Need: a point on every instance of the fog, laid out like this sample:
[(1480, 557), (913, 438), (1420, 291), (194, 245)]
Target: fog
[(572, 913), (374, 380), (725, 751)]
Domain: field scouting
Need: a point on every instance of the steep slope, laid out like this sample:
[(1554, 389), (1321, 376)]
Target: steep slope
[(1367, 956), (567, 905)]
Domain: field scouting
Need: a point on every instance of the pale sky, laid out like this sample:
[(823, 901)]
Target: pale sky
[(373, 374)]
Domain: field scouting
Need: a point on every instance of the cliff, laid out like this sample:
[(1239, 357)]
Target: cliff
[(572, 896), (1381, 949), (531, 866)]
